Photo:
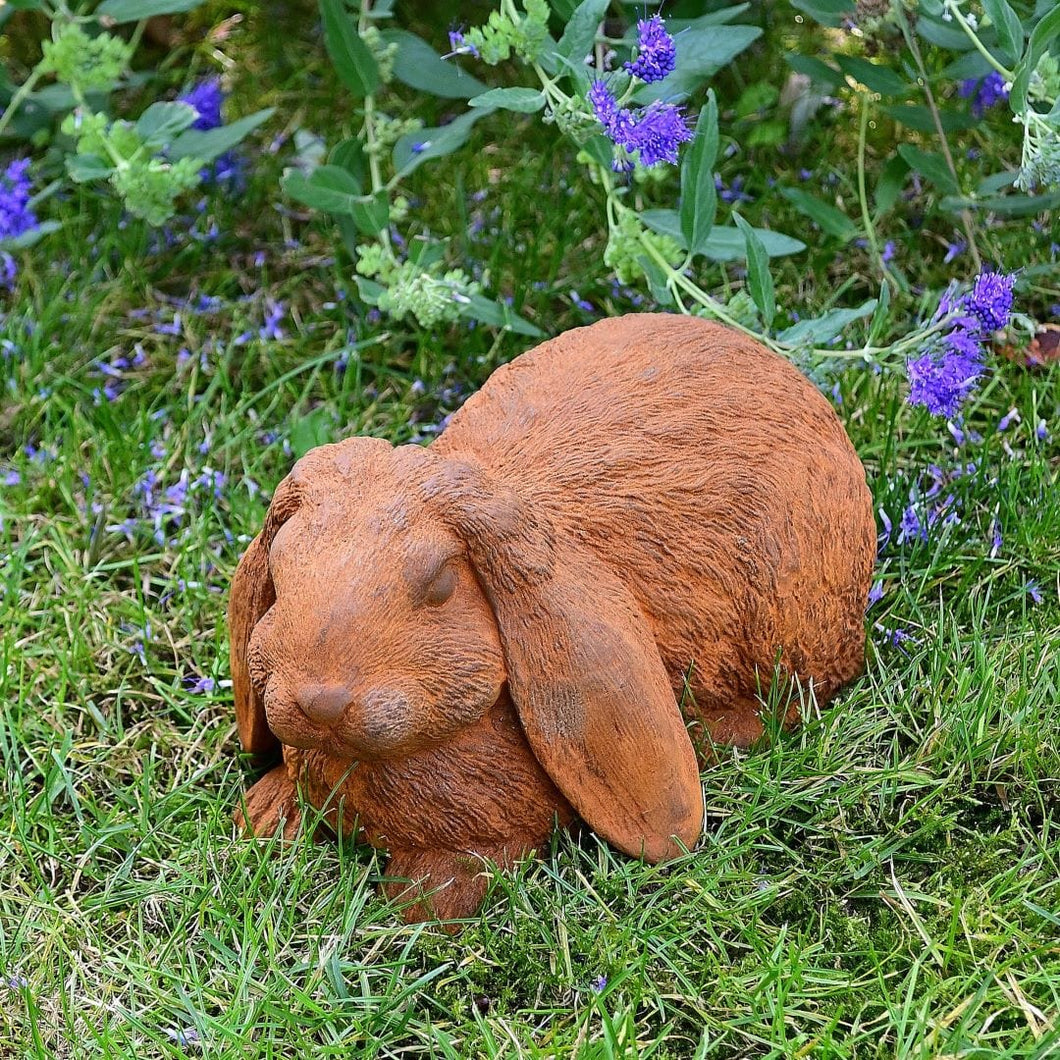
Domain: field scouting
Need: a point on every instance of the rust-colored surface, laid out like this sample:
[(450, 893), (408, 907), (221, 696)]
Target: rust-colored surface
[(459, 645), (1042, 350)]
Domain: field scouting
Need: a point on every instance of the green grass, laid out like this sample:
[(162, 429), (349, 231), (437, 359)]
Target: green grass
[(882, 882)]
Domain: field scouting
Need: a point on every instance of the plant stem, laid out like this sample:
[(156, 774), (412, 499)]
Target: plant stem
[(936, 118), (24, 90), (866, 217), (955, 10)]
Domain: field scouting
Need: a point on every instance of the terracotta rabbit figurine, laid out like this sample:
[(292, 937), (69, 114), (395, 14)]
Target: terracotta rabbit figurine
[(458, 646)]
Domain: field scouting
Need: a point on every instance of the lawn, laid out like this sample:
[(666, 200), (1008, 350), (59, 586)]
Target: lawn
[(883, 881)]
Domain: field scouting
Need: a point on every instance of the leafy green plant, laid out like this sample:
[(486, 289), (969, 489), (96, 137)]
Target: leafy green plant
[(626, 134), (148, 163)]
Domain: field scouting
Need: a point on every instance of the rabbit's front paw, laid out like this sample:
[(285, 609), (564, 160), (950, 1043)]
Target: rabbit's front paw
[(436, 885), (271, 805)]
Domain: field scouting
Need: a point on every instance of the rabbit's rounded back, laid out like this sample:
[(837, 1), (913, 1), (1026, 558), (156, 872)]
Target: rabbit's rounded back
[(708, 471), (379, 641)]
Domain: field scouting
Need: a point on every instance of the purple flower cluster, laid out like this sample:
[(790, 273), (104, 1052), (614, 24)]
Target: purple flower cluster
[(207, 98), (944, 372), (984, 92), (656, 54), (931, 502), (16, 218), (654, 132), (163, 507)]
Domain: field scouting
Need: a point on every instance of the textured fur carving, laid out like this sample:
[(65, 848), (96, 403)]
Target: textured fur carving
[(458, 646)]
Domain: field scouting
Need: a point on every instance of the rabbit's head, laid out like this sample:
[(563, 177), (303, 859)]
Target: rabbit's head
[(391, 595)]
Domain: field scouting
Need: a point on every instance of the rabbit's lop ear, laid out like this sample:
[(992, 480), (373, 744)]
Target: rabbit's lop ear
[(586, 678), (251, 596)]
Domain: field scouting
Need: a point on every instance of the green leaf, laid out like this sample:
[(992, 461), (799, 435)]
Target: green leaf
[(701, 53), (827, 12), (349, 155), (879, 316), (27, 239), (713, 18), (83, 168), (161, 122), (890, 184), (828, 218), (919, 118), (942, 34), (825, 327), (931, 165), (207, 144), (522, 100), (725, 243), (699, 198), (580, 32), (326, 188), (1042, 36), (434, 142), (599, 149), (814, 69), (419, 66), (1009, 29), (135, 10), (310, 430), (563, 8), (1007, 205), (369, 290), (656, 277), (759, 278), (498, 315), (877, 78), (371, 213), (354, 62)]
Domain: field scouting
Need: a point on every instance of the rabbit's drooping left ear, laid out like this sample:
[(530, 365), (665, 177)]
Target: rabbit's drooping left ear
[(252, 595), (584, 671)]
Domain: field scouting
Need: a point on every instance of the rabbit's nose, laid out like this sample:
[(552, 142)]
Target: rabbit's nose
[(324, 704)]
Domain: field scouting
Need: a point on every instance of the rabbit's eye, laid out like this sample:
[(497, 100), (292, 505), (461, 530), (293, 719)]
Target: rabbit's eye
[(440, 588)]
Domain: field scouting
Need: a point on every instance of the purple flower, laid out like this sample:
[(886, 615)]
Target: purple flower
[(734, 192), (984, 92), (875, 594), (206, 97), (1032, 590), (459, 44), (8, 270), (199, 686), (604, 105), (953, 250), (885, 537), (1041, 432), (1005, 422), (888, 251), (990, 299), (996, 540), (16, 218), (11, 478), (943, 376), (656, 55), (912, 527), (598, 984), (271, 327), (657, 131), (654, 132), (899, 637)]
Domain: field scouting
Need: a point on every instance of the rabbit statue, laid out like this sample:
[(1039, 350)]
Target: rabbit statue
[(458, 647)]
